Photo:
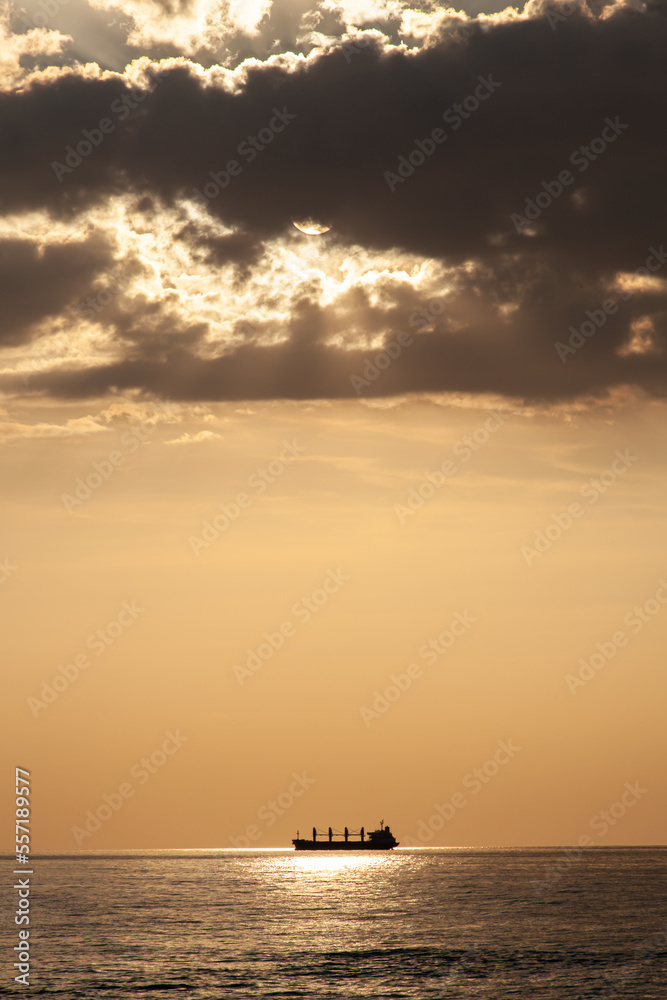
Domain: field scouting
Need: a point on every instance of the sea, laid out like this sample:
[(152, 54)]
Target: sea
[(524, 923)]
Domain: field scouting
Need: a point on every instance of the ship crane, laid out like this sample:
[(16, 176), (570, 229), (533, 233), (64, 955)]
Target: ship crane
[(377, 840)]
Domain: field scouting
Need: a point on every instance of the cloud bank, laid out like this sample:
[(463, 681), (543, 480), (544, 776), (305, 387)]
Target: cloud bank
[(494, 187)]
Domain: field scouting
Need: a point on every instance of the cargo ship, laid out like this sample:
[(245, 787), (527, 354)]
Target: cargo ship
[(376, 840)]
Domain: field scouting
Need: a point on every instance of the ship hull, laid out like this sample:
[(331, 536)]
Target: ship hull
[(333, 845)]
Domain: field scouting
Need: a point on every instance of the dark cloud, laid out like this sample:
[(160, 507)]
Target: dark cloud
[(484, 355), (41, 283), (239, 248), (357, 111)]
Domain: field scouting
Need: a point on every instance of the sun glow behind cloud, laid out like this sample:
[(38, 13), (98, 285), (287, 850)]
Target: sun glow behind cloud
[(189, 26), (202, 281), (157, 273)]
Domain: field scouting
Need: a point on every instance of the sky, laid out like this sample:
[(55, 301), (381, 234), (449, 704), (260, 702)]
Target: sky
[(332, 375)]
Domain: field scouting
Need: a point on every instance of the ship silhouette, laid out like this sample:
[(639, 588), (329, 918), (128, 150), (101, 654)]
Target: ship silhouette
[(377, 840)]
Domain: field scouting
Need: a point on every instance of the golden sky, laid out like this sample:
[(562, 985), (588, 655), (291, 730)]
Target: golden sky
[(396, 583), (358, 520)]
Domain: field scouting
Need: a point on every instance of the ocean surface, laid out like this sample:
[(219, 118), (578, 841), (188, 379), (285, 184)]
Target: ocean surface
[(478, 923)]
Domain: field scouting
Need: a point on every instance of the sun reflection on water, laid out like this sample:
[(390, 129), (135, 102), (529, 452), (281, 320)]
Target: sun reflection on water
[(327, 865)]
